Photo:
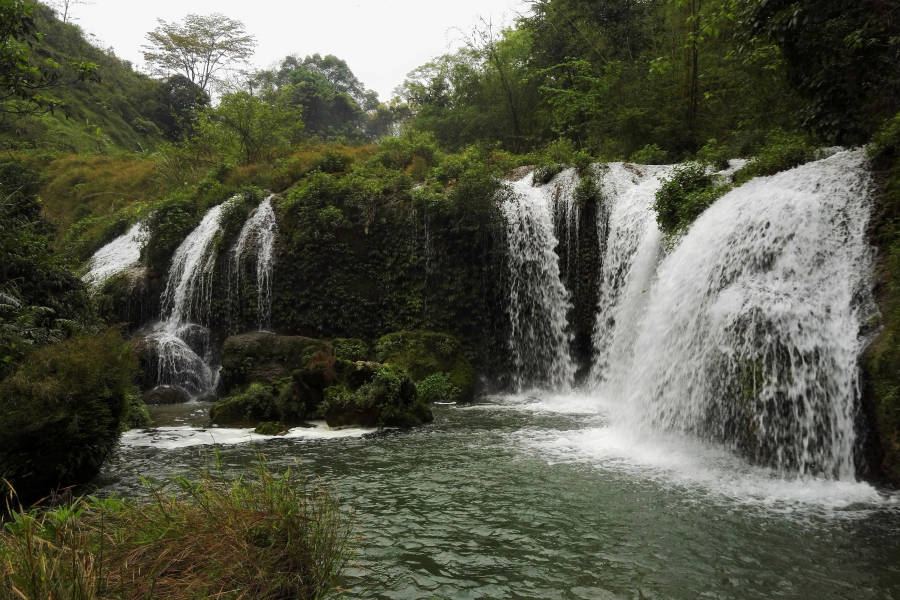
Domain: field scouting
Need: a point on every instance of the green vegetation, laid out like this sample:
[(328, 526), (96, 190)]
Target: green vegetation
[(435, 361), (61, 411), (882, 359), (265, 535), (388, 399), (682, 198)]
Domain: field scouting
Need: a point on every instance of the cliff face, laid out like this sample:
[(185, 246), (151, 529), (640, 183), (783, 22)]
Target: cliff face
[(880, 414)]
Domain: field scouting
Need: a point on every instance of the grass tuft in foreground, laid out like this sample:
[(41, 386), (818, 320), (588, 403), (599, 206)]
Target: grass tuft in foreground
[(260, 536)]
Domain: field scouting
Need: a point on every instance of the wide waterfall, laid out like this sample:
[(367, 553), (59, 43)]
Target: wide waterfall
[(258, 233), (116, 256), (538, 300), (185, 354), (746, 332)]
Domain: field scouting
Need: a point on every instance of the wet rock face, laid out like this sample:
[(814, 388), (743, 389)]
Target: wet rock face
[(265, 358), (167, 394)]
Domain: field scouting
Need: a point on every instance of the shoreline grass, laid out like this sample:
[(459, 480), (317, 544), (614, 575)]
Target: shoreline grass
[(259, 536)]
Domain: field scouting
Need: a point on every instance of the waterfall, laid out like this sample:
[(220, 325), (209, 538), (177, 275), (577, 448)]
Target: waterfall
[(185, 354), (258, 232), (632, 253), (748, 331), (116, 256), (538, 300)]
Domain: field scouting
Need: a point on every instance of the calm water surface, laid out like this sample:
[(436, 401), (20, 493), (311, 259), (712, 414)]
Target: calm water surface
[(527, 497)]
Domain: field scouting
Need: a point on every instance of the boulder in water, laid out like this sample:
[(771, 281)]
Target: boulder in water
[(424, 355), (167, 394)]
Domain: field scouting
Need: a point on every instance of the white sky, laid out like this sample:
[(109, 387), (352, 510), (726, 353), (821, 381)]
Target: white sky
[(381, 40)]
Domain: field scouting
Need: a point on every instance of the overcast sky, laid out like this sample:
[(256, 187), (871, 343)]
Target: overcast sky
[(381, 40)]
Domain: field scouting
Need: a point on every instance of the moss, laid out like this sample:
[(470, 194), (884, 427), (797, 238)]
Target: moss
[(61, 413), (881, 362), (424, 354)]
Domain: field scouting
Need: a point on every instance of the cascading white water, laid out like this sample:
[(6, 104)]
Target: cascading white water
[(183, 348), (116, 256), (259, 232), (749, 331), (538, 301), (632, 253)]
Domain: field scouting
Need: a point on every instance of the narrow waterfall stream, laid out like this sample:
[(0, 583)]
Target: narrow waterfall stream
[(185, 355), (116, 256), (258, 233), (538, 301)]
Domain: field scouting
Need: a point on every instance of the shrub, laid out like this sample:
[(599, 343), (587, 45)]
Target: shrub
[(255, 403), (781, 152), (389, 399), (349, 349), (651, 154), (437, 388), (137, 416), (682, 199), (266, 537), (332, 161), (62, 411), (424, 353)]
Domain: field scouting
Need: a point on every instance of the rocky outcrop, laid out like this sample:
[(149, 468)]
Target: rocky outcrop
[(290, 379), (166, 394)]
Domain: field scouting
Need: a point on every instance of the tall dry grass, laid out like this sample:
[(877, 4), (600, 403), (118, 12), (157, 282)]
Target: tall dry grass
[(263, 536)]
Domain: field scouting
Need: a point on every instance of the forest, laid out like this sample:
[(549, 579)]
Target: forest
[(397, 287)]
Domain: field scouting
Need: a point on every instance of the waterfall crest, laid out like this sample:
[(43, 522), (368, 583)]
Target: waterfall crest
[(538, 300), (748, 331), (116, 256), (258, 233)]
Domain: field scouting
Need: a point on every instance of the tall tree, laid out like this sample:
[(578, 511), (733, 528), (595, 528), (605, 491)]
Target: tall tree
[(199, 48)]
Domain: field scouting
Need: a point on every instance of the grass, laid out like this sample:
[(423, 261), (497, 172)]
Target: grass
[(260, 536)]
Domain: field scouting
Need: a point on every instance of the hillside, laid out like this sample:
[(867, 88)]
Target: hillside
[(113, 113)]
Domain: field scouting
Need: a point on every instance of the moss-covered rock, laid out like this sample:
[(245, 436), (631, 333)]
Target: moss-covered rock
[(256, 403), (388, 399), (266, 358), (424, 355), (166, 394), (271, 428)]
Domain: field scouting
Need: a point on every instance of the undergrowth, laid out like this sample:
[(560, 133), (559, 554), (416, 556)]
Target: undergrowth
[(262, 536)]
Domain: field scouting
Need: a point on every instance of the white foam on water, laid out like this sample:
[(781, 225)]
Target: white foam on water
[(171, 438), (674, 461), (116, 256)]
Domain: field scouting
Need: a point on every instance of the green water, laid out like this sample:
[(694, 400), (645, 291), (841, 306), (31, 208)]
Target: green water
[(522, 498)]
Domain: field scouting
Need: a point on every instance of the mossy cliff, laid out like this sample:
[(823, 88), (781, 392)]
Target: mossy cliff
[(881, 362)]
